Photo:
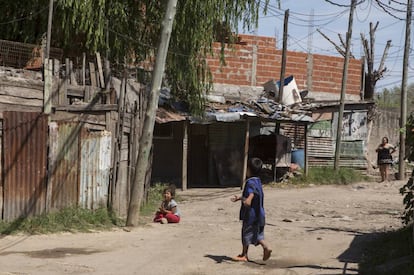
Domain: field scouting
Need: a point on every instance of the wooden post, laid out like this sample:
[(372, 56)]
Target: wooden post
[(145, 140), (246, 153), (63, 91), (57, 82), (403, 108), (92, 74), (83, 69), (47, 96), (107, 96), (185, 157), (343, 87), (277, 132), (93, 80), (284, 51), (72, 74), (100, 71), (306, 168)]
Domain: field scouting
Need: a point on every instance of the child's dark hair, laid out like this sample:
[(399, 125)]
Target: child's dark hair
[(170, 188), (255, 166)]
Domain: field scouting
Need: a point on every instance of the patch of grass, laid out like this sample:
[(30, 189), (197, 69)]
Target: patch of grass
[(154, 199), (327, 175), (389, 253), (71, 219), (76, 219)]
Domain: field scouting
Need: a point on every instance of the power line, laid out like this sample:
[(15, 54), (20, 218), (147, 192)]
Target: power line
[(25, 17)]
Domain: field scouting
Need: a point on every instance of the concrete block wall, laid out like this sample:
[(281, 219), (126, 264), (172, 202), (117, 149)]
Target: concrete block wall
[(256, 60)]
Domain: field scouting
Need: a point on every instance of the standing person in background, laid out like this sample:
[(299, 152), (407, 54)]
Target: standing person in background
[(384, 157), (252, 212)]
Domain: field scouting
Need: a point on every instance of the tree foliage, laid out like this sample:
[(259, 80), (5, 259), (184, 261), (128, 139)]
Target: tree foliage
[(408, 189), (131, 28), (391, 98)]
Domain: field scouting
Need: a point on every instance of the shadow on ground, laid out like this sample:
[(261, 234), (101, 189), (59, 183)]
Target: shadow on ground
[(377, 253), (60, 252)]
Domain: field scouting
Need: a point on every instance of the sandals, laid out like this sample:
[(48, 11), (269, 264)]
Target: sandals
[(266, 254), (240, 258)]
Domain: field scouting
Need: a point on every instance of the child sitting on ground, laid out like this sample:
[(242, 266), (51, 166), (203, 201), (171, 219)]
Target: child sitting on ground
[(168, 211)]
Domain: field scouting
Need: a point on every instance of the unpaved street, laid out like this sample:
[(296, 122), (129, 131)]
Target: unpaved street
[(313, 230)]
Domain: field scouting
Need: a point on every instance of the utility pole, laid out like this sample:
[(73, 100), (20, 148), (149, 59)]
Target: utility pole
[(343, 86), (49, 29), (309, 58), (284, 50), (403, 114), (145, 141), (282, 79)]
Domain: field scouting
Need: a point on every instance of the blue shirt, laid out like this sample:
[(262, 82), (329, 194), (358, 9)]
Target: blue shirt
[(255, 214)]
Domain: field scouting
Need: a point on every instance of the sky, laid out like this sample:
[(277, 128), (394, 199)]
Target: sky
[(331, 17)]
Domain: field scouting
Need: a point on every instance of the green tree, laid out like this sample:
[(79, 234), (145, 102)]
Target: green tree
[(130, 28), (391, 98), (408, 189)]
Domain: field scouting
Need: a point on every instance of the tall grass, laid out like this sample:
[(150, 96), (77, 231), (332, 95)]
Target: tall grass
[(71, 219), (327, 175), (153, 200), (76, 219)]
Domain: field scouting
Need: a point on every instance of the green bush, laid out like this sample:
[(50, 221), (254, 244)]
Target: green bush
[(327, 175)]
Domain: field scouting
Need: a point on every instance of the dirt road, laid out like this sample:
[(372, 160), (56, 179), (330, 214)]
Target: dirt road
[(314, 230)]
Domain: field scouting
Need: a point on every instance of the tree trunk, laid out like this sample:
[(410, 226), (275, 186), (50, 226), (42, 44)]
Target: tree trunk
[(145, 142)]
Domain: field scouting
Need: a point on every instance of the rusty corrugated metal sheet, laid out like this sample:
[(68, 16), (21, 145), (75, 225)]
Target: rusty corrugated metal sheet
[(163, 116), (95, 168), (25, 160), (64, 165), (295, 132)]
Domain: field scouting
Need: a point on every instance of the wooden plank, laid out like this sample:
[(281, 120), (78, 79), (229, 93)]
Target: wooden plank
[(306, 168), (63, 99), (92, 74), (47, 97), (246, 153), (52, 156), (56, 67), (11, 106), (84, 69), (72, 74), (88, 90), (21, 82), (21, 101), (80, 91), (57, 82), (21, 92), (107, 98), (185, 157), (88, 107), (100, 70), (98, 118)]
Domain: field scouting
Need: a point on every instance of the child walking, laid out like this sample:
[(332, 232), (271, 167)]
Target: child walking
[(168, 211), (252, 212)]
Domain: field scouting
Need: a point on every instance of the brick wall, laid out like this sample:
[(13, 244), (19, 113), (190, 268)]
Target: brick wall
[(256, 61)]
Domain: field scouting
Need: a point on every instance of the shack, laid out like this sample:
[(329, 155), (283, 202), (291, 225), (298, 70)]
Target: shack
[(212, 150)]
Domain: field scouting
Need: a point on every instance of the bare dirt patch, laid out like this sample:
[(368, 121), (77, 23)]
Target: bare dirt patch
[(313, 230)]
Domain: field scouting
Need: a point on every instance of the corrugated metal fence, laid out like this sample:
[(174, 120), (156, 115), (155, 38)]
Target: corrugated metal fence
[(25, 160), (75, 170)]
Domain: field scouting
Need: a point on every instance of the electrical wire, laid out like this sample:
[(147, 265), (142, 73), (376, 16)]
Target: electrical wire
[(25, 17)]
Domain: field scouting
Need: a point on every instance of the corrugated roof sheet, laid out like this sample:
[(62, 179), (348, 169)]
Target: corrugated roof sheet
[(164, 115)]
